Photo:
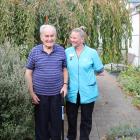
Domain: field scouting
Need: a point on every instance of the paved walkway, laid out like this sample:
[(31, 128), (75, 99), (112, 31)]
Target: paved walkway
[(112, 109)]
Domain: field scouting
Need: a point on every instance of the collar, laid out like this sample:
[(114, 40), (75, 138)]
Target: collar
[(54, 48)]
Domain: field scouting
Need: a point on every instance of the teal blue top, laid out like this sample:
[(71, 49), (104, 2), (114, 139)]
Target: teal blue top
[(82, 74)]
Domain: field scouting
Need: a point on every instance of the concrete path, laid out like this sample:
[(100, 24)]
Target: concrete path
[(112, 109)]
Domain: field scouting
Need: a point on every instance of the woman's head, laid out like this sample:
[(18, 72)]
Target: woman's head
[(77, 37)]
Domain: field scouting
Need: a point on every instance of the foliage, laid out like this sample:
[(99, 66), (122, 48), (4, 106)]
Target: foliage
[(15, 108), (17, 24), (58, 15), (136, 101), (108, 26), (123, 132), (130, 82), (107, 23)]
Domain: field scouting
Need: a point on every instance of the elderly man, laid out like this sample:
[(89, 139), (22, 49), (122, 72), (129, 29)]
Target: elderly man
[(47, 77)]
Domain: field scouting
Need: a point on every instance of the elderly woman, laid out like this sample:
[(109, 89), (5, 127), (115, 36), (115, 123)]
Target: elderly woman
[(83, 64)]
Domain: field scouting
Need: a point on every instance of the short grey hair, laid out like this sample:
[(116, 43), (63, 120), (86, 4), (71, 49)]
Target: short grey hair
[(46, 26), (80, 31)]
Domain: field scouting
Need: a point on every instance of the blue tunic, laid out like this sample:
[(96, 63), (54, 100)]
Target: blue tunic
[(82, 75)]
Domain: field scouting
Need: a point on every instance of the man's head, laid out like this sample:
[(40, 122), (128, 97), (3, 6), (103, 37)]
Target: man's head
[(48, 35)]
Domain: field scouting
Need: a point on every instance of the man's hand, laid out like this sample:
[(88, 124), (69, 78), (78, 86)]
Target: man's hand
[(28, 77), (35, 99), (64, 90)]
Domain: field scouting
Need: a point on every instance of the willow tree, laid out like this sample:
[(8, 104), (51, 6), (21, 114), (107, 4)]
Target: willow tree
[(108, 26), (107, 23), (17, 24)]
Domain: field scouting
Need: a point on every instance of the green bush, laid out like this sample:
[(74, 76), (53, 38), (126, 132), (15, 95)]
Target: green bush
[(136, 101), (123, 132), (15, 108), (18, 24), (130, 82)]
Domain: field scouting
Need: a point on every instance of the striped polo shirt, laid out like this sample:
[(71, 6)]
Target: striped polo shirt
[(47, 69)]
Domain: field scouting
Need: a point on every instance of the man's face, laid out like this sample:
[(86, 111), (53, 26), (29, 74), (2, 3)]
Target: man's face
[(48, 37), (75, 39)]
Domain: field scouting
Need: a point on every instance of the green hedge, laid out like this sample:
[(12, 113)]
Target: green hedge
[(130, 82), (123, 132), (16, 119)]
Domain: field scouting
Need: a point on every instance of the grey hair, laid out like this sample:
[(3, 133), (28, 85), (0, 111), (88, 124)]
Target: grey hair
[(46, 26), (80, 31)]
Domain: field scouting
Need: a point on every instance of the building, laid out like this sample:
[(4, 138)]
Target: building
[(134, 51)]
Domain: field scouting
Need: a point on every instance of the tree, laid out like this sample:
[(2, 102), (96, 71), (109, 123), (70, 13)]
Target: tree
[(107, 23)]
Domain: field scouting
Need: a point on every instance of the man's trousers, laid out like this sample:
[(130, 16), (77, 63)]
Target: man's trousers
[(48, 118)]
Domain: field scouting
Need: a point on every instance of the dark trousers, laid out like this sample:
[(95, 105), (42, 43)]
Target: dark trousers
[(86, 119), (48, 118)]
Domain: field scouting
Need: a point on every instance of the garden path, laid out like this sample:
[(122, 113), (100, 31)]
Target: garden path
[(113, 108)]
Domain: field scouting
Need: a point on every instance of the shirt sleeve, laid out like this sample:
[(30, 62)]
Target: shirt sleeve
[(98, 66), (31, 61)]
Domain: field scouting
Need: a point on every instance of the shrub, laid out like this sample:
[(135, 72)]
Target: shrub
[(130, 82), (123, 132), (136, 101), (15, 108), (17, 23)]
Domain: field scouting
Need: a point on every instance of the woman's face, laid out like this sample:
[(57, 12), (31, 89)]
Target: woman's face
[(76, 40)]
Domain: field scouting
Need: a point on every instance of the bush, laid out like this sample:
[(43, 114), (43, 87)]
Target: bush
[(15, 107), (17, 23), (130, 82), (123, 132), (136, 101)]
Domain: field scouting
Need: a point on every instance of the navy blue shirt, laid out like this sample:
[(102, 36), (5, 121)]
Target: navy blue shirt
[(47, 69)]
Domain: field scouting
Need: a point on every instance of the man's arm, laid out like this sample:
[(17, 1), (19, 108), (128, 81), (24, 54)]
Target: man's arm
[(28, 77), (65, 85)]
